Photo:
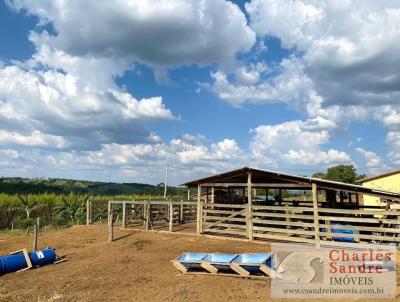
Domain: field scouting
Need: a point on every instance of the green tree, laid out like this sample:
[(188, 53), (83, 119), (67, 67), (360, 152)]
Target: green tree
[(342, 173), (27, 205), (72, 207)]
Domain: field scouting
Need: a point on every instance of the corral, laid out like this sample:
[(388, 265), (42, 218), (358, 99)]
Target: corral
[(250, 204)]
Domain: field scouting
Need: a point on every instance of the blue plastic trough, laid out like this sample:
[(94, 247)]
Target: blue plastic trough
[(252, 262), (16, 262), (343, 231), (191, 260)]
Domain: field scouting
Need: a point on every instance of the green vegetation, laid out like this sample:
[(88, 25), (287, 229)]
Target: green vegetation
[(342, 173), (62, 202)]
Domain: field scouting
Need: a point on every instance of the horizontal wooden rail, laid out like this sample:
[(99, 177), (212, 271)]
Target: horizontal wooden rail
[(214, 218), (280, 208), (220, 212), (361, 236), (359, 212), (221, 205), (282, 230), (283, 222), (279, 215), (226, 225), (283, 238), (361, 228)]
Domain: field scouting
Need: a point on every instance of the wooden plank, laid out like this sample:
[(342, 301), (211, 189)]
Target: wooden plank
[(199, 210), (110, 223), (225, 219), (124, 214), (358, 220), (360, 228), (286, 231), (229, 232), (256, 277), (316, 222), (208, 267), (87, 212), (229, 206), (249, 216), (284, 238), (181, 211), (36, 234), (278, 222), (268, 271), (283, 208), (220, 212), (24, 251), (279, 215), (364, 236), (258, 185), (215, 218), (359, 212), (171, 216), (179, 266), (226, 225), (238, 269)]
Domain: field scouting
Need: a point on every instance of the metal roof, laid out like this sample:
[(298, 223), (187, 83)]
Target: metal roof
[(266, 176)]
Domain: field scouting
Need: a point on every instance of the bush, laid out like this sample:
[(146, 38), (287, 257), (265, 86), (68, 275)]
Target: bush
[(23, 223)]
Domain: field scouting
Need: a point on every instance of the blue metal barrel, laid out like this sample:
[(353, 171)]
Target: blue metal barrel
[(16, 262)]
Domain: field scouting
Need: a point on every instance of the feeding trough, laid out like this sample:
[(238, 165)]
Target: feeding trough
[(253, 263), (244, 265), (220, 261), (191, 260)]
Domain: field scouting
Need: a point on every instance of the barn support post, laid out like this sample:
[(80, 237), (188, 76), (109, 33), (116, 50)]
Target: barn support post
[(199, 211), (124, 214), (110, 222), (171, 215), (316, 216), (249, 216)]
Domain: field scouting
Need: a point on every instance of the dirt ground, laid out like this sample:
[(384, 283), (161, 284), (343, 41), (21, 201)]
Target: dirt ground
[(135, 267)]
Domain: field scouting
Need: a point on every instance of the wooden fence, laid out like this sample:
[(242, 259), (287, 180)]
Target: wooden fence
[(151, 214), (306, 224)]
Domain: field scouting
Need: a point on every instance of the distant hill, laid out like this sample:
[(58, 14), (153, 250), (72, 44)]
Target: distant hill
[(13, 185)]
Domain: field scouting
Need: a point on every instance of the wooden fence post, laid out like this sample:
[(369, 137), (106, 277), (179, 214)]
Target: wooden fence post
[(171, 216), (249, 214), (36, 234), (124, 214), (316, 216), (110, 222), (181, 212), (87, 212), (148, 214)]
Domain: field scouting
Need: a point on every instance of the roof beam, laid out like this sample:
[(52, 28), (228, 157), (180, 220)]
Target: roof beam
[(258, 185)]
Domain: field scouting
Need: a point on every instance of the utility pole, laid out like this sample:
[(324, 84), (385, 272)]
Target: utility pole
[(165, 183)]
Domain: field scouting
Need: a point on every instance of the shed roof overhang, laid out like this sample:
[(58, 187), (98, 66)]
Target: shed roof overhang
[(265, 178)]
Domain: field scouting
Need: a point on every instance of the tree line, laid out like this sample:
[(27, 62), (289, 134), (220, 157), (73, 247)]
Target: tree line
[(61, 202)]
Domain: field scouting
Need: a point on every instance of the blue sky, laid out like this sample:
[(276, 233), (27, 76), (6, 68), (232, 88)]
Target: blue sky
[(116, 91)]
